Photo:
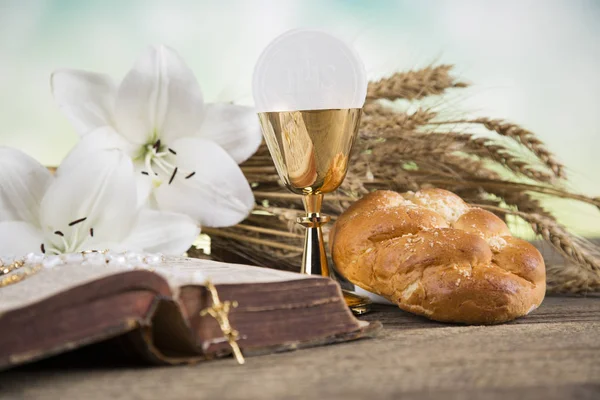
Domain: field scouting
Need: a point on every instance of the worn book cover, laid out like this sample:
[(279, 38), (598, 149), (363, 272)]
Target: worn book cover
[(155, 313)]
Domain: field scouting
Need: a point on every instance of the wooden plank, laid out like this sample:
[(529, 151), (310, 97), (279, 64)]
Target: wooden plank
[(552, 354)]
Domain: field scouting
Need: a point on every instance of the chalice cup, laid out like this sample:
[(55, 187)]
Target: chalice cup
[(311, 150)]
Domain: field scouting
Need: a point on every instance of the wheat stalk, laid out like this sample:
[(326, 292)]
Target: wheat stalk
[(570, 246), (523, 137), (570, 279), (383, 122), (524, 202), (409, 151), (382, 125), (527, 139), (501, 154), (413, 85)]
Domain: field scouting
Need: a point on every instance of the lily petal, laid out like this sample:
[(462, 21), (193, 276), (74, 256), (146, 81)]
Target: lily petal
[(159, 99), (98, 195), (144, 187), (18, 238), (162, 232), (86, 98), (23, 182), (216, 195), (235, 128), (104, 138)]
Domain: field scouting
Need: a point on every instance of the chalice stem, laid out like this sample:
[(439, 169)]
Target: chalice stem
[(314, 259)]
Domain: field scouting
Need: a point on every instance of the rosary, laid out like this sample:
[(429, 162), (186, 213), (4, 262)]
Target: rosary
[(15, 270), (16, 277)]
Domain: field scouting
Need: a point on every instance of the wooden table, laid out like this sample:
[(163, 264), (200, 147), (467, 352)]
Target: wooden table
[(552, 354)]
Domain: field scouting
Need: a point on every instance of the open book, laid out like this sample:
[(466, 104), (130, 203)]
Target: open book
[(156, 313)]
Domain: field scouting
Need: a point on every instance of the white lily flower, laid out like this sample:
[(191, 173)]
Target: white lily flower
[(186, 152), (91, 206)]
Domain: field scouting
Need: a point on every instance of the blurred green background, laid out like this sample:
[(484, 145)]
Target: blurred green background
[(536, 63)]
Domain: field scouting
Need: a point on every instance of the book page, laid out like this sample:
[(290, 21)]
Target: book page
[(191, 271), (178, 271)]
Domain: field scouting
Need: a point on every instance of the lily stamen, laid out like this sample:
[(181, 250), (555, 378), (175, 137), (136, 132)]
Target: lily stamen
[(173, 176), (158, 158), (77, 221), (167, 164), (62, 237), (64, 242), (148, 162), (73, 245), (164, 163), (163, 167)]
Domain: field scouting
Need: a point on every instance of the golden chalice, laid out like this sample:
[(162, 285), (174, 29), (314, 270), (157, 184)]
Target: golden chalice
[(311, 147)]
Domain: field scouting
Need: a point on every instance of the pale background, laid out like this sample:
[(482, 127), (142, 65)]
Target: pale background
[(534, 62)]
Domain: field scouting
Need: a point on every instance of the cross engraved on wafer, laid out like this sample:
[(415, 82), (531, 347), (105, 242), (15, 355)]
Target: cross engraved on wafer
[(220, 311)]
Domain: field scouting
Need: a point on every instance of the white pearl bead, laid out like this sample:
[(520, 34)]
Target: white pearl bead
[(7, 260), (153, 259), (127, 260), (72, 258), (52, 261), (94, 259), (34, 258), (134, 259), (115, 259)]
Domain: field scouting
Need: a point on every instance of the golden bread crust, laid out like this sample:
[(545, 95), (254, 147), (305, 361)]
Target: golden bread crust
[(434, 255)]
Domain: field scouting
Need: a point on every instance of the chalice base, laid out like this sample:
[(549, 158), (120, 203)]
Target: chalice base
[(358, 304), (314, 260)]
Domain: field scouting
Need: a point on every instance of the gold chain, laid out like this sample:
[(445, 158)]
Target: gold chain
[(18, 276), (9, 268)]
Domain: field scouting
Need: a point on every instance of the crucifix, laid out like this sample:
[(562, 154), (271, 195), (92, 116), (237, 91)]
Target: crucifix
[(220, 311)]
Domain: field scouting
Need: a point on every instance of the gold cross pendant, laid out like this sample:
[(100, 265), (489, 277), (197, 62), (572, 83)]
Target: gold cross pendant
[(220, 311)]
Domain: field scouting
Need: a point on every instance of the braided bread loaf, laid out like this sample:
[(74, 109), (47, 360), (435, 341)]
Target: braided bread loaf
[(434, 255)]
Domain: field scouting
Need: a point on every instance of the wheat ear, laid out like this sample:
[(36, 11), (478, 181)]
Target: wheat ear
[(415, 84)]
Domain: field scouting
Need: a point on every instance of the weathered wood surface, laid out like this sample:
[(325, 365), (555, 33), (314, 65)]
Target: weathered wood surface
[(552, 354)]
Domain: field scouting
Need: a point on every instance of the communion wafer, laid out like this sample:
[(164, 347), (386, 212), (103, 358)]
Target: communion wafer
[(305, 69)]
